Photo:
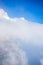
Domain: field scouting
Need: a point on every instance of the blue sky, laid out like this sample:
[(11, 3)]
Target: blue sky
[(32, 10), (23, 39)]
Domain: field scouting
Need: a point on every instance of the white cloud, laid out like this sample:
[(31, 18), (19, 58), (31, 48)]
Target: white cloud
[(22, 29), (10, 52), (3, 14)]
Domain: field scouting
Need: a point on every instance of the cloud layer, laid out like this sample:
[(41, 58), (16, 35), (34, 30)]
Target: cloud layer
[(10, 53), (18, 28), (21, 28)]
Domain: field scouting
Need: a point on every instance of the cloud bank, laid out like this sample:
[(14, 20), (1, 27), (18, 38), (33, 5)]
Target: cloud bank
[(10, 53), (20, 28), (17, 28)]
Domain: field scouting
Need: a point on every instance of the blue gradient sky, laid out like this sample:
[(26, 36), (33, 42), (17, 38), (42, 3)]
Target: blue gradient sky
[(32, 10)]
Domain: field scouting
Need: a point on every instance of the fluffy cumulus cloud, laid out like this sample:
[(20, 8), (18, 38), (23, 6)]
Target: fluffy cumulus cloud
[(20, 28), (10, 53), (17, 28)]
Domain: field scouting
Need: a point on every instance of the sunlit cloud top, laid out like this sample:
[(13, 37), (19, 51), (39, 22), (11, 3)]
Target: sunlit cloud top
[(20, 28), (29, 9)]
